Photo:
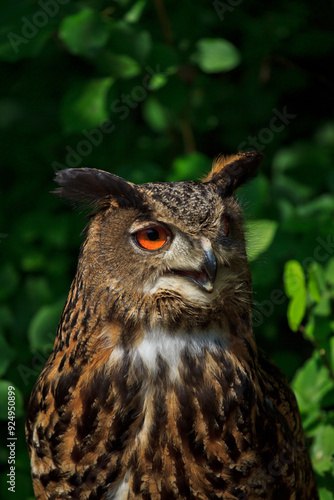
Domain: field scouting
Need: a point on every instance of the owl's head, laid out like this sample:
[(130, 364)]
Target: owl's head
[(163, 249)]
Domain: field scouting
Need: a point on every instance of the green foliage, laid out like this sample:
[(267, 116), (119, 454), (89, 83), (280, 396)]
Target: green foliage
[(84, 105), (153, 91), (84, 33), (260, 236), (295, 289), (313, 296), (216, 55)]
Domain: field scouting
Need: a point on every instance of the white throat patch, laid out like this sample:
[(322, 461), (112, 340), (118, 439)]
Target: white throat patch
[(170, 346)]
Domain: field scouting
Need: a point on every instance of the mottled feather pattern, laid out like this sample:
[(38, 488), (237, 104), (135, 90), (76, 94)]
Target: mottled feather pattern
[(155, 389)]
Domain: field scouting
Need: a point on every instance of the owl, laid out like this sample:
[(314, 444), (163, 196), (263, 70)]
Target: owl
[(155, 389)]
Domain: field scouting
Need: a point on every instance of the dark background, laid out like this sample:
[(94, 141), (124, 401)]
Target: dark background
[(154, 90)]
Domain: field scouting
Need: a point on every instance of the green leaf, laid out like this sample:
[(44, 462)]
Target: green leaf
[(313, 284), (296, 309), (155, 115), (85, 105), (294, 278), (157, 81), (133, 15), (325, 494), (128, 41), (43, 326), (215, 55), (322, 450), (323, 308), (33, 261), (311, 383), (5, 386), (119, 65), (294, 282), (310, 328), (84, 33), (259, 236), (191, 166), (322, 327)]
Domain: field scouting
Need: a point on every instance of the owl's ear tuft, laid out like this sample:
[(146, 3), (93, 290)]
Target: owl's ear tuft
[(230, 172), (96, 188)]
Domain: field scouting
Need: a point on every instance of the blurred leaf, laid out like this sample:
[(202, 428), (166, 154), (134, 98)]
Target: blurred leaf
[(325, 494), (310, 327), (321, 327), (325, 134), (155, 114), (119, 65), (294, 282), (311, 383), (314, 288), (323, 308), (316, 282), (320, 205), (323, 450), (9, 280), (192, 166), (33, 261), (133, 15), (43, 326), (294, 278), (84, 33), (294, 174), (259, 236), (22, 38), (215, 55), (4, 385), (128, 40), (157, 81), (296, 310), (84, 106)]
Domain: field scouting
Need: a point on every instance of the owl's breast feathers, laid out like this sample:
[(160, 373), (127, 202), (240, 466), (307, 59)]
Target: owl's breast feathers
[(176, 415)]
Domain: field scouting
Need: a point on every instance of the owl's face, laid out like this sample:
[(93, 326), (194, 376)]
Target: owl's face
[(190, 247), (180, 244)]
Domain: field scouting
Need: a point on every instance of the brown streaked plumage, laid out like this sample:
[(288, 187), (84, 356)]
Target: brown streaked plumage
[(155, 389)]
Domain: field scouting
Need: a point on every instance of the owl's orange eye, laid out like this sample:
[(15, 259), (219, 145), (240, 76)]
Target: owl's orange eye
[(152, 238)]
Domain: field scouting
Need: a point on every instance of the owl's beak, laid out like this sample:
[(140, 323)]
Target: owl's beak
[(205, 277), (209, 266)]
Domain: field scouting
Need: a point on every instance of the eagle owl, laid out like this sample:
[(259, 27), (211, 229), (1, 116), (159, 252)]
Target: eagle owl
[(155, 389)]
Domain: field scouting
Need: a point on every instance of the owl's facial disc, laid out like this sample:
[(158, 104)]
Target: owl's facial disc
[(205, 277)]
